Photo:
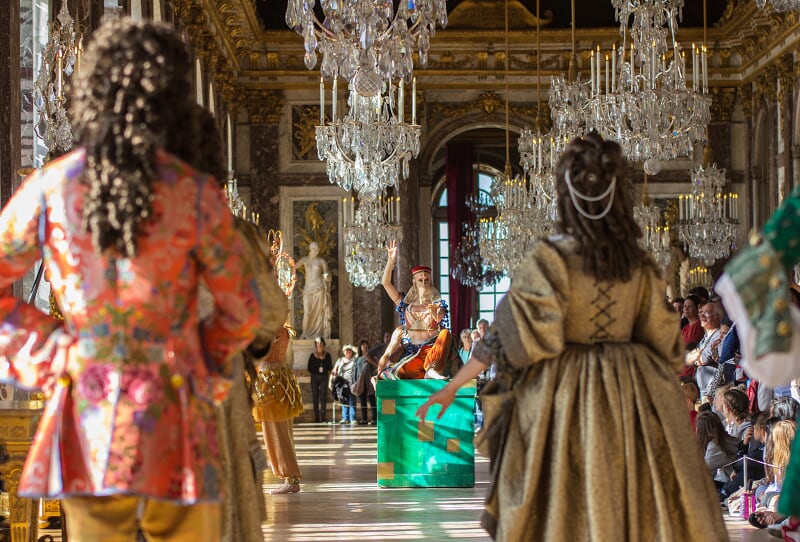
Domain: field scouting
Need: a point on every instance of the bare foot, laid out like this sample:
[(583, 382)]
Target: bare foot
[(285, 488)]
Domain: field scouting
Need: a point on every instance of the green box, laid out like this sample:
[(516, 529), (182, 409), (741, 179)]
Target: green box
[(433, 453)]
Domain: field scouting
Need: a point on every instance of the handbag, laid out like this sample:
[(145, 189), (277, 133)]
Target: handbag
[(360, 385)]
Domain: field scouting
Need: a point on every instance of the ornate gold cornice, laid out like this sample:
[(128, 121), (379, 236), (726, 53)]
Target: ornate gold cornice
[(486, 104), (264, 106)]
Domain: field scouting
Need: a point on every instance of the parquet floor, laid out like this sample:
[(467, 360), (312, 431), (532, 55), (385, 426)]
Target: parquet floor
[(340, 501)]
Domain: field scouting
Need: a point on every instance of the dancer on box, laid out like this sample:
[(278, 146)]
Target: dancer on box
[(585, 425), (426, 342)]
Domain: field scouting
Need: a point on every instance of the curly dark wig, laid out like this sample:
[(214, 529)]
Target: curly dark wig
[(609, 244), (131, 95)]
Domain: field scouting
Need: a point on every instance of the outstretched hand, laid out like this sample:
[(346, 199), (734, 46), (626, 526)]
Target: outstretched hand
[(443, 397), (391, 249)]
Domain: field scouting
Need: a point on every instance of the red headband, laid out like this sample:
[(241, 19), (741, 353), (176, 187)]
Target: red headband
[(419, 269)]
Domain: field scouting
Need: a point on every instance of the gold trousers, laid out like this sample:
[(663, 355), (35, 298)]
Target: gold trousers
[(116, 519), (279, 441)]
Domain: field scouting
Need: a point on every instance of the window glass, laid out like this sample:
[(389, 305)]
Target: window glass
[(488, 297)]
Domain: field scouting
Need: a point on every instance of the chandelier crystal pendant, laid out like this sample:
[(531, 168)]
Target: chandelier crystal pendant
[(640, 93), (655, 233), (368, 35), (60, 59), (780, 5), (707, 217), (366, 231), (370, 148)]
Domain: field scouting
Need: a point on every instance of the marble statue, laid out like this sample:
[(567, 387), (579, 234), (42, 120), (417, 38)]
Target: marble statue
[(317, 305)]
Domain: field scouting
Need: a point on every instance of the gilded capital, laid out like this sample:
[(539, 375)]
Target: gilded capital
[(264, 106), (722, 100)]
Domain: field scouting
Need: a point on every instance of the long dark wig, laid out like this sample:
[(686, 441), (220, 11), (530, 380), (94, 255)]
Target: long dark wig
[(609, 244), (132, 94)]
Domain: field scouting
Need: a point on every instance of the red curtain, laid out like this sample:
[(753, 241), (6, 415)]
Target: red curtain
[(459, 184)]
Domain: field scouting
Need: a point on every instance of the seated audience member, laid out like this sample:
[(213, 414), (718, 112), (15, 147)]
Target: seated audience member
[(754, 456), (777, 455), (735, 410), (719, 448), (785, 408)]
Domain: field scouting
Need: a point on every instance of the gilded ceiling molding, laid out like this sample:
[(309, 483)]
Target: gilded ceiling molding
[(487, 103), (264, 106)]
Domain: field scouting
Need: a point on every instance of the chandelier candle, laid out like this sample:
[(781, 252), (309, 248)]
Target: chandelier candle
[(414, 100), (230, 145), (321, 101), (333, 102)]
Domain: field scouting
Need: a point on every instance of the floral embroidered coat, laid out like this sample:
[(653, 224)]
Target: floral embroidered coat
[(131, 373)]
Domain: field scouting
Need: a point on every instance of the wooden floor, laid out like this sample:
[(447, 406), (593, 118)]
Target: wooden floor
[(339, 499)]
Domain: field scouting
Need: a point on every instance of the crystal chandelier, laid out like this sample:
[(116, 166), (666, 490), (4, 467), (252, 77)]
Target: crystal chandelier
[(60, 59), (235, 202), (644, 101), (700, 276), (780, 5), (370, 148), (521, 208), (467, 265), (707, 217), (539, 153), (568, 98), (366, 231), (368, 35), (655, 234)]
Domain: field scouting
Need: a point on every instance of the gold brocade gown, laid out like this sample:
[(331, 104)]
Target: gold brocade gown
[(599, 446)]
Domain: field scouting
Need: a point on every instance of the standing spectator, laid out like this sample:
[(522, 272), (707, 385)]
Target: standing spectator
[(319, 367), (127, 232), (466, 345), (344, 368), (364, 371), (692, 331), (482, 326), (705, 356)]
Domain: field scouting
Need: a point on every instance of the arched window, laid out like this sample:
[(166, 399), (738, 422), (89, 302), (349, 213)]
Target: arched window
[(486, 298)]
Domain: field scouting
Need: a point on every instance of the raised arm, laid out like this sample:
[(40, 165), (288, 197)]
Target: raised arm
[(394, 295)]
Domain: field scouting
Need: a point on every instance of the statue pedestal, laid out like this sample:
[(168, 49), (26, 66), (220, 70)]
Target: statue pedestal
[(301, 349)]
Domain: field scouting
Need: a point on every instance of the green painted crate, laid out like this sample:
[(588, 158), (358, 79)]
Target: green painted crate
[(434, 453)]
